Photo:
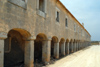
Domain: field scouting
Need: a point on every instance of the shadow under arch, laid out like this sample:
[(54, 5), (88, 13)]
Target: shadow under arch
[(15, 47), (38, 47), (54, 41), (61, 47), (70, 45)]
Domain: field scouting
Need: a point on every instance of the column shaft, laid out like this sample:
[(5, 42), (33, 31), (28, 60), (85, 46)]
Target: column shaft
[(56, 50), (46, 51), (29, 54), (1, 53), (63, 49), (72, 47)]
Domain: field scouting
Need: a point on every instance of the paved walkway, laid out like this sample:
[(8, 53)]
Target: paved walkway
[(89, 57)]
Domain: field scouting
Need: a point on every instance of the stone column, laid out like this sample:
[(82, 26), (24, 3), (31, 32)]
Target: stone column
[(83, 44), (1, 52), (76, 46), (67, 48), (72, 47), (80, 45), (56, 50), (3, 36), (63, 49), (29, 53), (46, 51)]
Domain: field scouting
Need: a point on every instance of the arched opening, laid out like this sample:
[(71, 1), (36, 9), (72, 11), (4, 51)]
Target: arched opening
[(61, 47), (70, 46), (53, 42), (15, 47), (38, 47), (74, 45), (67, 46)]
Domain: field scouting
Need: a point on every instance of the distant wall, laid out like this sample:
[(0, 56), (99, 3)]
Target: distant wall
[(94, 43)]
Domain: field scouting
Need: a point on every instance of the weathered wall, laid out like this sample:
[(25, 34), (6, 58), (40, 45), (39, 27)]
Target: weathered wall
[(13, 16)]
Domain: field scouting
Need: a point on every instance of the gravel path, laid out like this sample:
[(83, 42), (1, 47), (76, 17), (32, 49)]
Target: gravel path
[(88, 57)]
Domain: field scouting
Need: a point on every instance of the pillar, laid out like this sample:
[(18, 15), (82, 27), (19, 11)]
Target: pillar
[(29, 53), (63, 48), (72, 47), (80, 45), (1, 52), (3, 36), (76, 46), (56, 50), (67, 48), (46, 51)]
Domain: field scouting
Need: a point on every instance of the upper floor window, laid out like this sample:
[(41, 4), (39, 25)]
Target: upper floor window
[(41, 5), (75, 27), (23, 0), (57, 14), (66, 22), (41, 8), (21, 3), (57, 17), (78, 30), (81, 32)]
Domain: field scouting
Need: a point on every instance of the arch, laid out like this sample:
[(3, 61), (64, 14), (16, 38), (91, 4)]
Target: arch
[(41, 36), (71, 40), (38, 47), (54, 39), (67, 40), (70, 45), (25, 34), (17, 41), (61, 47), (62, 40), (74, 40)]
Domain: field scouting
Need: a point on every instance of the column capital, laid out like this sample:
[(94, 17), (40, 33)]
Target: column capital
[(30, 38), (3, 35)]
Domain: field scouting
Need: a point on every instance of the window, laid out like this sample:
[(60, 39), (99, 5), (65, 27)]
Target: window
[(41, 8), (23, 0), (66, 23), (41, 5), (75, 27), (81, 32), (78, 29), (57, 14), (21, 3), (57, 17)]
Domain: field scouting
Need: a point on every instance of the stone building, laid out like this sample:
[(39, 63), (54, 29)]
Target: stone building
[(38, 29)]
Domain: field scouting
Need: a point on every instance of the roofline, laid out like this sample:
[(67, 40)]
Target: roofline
[(73, 16)]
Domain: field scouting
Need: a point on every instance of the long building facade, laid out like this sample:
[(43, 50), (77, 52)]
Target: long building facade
[(32, 30)]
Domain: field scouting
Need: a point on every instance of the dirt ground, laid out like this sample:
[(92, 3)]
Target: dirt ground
[(88, 57)]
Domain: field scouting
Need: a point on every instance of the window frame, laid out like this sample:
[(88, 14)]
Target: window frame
[(57, 16), (67, 22), (74, 27), (41, 13), (19, 3)]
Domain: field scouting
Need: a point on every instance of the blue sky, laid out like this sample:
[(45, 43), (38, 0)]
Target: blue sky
[(87, 12)]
